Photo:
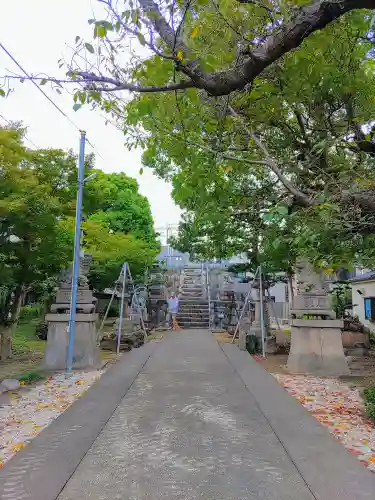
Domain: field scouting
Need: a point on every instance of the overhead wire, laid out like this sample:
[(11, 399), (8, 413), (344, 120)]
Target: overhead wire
[(8, 122), (30, 78)]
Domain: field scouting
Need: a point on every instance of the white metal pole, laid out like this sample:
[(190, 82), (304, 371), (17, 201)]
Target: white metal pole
[(107, 310), (262, 311), (273, 310), (244, 306), (138, 305), (121, 308)]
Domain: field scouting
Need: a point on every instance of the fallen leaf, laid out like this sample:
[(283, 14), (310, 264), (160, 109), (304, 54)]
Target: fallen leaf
[(18, 447)]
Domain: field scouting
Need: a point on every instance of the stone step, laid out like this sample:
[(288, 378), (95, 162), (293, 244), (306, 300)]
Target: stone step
[(194, 325), (195, 301), (193, 310), (200, 299), (194, 316), (192, 306)]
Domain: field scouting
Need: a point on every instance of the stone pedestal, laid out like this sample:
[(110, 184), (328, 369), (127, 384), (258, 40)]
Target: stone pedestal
[(86, 352), (242, 340), (316, 342), (270, 346), (256, 328), (316, 348)]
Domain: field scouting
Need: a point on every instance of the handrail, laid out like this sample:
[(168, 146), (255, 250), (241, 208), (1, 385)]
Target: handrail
[(208, 291)]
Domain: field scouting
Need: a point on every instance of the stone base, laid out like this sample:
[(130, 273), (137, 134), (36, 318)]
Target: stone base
[(316, 348), (357, 352), (86, 352), (242, 340), (352, 339), (270, 346)]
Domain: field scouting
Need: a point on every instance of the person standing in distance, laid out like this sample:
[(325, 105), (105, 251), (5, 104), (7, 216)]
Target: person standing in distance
[(173, 303)]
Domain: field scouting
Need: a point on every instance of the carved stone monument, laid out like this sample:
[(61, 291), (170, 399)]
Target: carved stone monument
[(316, 346), (86, 352)]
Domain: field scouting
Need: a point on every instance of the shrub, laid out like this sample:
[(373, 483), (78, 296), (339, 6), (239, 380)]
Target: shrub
[(31, 311), (29, 378), (114, 311), (369, 395)]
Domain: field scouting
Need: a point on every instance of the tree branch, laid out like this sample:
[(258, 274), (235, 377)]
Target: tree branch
[(301, 197), (117, 85), (308, 19)]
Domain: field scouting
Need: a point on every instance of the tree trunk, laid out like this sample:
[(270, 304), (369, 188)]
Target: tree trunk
[(7, 334), (290, 288)]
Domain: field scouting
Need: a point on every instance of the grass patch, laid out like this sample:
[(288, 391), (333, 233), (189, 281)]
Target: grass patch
[(31, 377), (369, 395), (25, 340), (28, 352)]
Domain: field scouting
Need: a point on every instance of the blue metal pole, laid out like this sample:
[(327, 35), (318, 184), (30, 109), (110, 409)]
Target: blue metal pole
[(77, 246)]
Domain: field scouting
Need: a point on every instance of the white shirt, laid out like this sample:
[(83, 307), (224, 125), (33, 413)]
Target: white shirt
[(173, 304)]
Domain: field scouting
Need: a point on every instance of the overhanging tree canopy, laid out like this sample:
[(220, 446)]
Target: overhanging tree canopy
[(299, 120), (187, 35), (297, 149)]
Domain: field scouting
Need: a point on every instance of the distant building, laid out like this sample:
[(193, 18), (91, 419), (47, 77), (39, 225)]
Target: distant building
[(363, 298), (173, 259)]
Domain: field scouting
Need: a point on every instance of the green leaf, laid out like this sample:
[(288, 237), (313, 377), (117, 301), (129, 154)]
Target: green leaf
[(141, 171), (141, 38), (2, 93), (268, 217), (100, 31), (90, 48), (43, 81), (77, 106), (276, 243), (282, 210)]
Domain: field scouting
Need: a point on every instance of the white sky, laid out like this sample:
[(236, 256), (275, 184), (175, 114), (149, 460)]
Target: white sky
[(37, 33)]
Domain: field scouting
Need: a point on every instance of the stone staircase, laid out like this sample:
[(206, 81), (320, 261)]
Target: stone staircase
[(193, 309)]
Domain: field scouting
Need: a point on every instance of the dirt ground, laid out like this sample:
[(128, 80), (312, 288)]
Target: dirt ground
[(362, 368)]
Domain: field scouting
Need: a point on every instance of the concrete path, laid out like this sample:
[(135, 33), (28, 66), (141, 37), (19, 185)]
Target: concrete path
[(195, 421)]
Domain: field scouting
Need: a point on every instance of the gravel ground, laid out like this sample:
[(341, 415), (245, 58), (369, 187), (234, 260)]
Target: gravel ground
[(26, 412), (337, 407)]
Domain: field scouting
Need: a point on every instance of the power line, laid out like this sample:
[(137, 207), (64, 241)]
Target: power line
[(46, 95), (8, 122)]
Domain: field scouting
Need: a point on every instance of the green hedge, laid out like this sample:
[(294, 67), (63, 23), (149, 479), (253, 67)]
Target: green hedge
[(369, 395)]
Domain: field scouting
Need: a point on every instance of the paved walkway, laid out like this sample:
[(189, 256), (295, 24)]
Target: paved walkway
[(186, 419)]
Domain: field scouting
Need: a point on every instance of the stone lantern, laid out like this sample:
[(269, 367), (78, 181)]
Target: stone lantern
[(86, 352)]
